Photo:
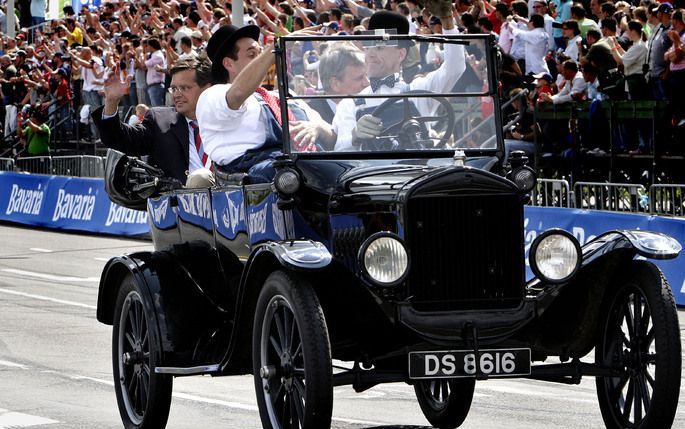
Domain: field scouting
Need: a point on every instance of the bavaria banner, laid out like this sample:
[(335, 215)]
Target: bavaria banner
[(73, 203), (70, 203), (586, 224)]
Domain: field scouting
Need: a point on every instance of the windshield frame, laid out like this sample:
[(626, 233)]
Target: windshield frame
[(492, 62)]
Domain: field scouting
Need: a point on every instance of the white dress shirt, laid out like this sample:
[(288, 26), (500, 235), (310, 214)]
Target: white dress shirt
[(571, 50), (536, 49), (194, 161), (572, 87), (440, 80), (226, 133)]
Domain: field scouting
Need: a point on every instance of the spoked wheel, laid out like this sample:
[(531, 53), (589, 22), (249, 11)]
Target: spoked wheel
[(291, 356), (641, 339), (143, 397), (445, 403)]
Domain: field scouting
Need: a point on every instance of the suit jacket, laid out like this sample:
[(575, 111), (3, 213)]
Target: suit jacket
[(163, 135), (321, 106)]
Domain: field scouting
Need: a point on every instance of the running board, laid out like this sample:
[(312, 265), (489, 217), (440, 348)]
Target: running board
[(193, 370)]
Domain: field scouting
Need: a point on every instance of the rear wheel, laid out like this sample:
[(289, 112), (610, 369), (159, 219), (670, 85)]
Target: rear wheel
[(291, 356), (445, 403), (143, 397), (641, 339)]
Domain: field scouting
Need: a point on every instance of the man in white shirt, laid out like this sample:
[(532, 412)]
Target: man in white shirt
[(540, 7), (92, 73), (573, 89), (384, 64), (180, 31), (536, 40), (240, 121)]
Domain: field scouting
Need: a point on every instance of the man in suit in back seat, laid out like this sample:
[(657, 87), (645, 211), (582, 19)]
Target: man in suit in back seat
[(170, 136)]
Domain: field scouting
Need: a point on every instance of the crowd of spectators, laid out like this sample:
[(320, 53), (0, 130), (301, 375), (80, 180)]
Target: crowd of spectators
[(552, 52)]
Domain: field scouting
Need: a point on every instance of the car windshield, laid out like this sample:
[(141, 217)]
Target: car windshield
[(387, 93)]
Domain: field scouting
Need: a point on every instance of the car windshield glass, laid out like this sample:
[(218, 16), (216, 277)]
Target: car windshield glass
[(397, 93)]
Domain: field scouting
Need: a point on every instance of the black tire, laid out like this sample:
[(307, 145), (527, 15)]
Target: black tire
[(291, 356), (445, 402), (646, 349), (143, 397)]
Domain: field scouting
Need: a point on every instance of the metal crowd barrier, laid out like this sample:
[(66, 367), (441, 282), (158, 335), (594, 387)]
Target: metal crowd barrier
[(616, 197), (35, 164), (667, 200), (551, 193), (76, 166), (6, 164)]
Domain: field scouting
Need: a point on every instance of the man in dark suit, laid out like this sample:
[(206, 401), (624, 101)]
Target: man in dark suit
[(170, 136), (342, 72)]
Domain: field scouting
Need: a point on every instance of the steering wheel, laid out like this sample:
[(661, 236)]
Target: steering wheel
[(406, 133)]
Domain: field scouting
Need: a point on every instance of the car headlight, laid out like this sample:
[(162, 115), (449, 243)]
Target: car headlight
[(287, 181), (384, 259), (525, 178), (555, 256)]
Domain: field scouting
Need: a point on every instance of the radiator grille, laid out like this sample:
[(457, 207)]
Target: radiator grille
[(466, 252)]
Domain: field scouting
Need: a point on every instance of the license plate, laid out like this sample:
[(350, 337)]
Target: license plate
[(466, 363)]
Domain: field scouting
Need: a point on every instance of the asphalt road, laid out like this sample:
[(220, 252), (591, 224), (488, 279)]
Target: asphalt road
[(55, 359)]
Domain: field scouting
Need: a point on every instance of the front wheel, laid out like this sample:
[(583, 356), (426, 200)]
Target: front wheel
[(143, 397), (291, 356), (640, 340), (445, 403)]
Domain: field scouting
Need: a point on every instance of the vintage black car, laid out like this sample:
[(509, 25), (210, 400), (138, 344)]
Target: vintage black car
[(403, 254)]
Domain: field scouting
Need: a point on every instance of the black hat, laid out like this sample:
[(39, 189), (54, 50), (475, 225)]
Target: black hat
[(387, 20), (222, 42)]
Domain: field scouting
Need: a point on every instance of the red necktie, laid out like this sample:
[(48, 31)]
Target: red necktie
[(198, 143), (274, 104)]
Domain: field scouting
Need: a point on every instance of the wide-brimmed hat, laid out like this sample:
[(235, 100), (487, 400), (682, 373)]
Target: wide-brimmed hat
[(222, 41)]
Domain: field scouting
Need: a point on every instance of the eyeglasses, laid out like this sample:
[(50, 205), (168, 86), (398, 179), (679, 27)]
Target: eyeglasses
[(182, 89)]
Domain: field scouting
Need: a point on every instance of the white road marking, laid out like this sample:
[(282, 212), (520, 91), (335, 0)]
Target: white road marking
[(50, 276), (12, 364), (227, 404), (102, 259), (47, 298), (40, 249), (12, 420)]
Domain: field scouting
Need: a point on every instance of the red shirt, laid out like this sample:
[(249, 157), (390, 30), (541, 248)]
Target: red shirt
[(63, 92)]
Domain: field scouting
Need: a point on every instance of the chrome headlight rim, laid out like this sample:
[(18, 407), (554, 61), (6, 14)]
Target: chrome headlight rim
[(365, 246), (534, 248)]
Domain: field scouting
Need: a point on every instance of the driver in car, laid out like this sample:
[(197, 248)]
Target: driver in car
[(353, 121)]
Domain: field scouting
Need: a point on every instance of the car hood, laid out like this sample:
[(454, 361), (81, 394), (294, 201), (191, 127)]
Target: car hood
[(355, 177)]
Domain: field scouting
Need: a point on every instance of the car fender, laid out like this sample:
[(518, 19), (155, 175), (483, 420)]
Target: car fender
[(145, 274), (648, 244), (177, 306), (627, 243)]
